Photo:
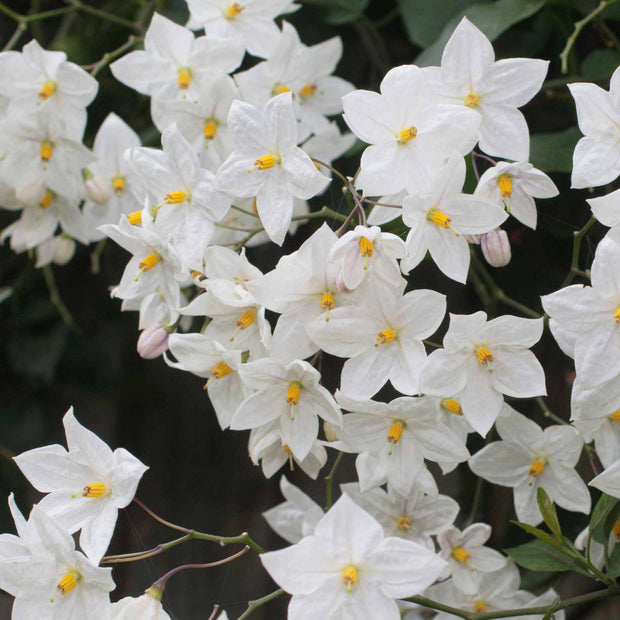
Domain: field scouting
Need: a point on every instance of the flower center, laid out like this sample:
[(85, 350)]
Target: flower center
[(504, 182), (367, 248), (175, 198), (385, 336), (438, 218), (118, 185), (307, 90), (292, 396), (349, 577), (94, 489), (265, 162), (233, 10), (47, 90), (394, 435), (185, 78), (147, 263), (472, 100), (46, 201), (615, 416), (617, 315), (537, 468), (210, 129), (243, 322), (616, 530), (327, 304), (404, 523), (408, 134), (221, 369), (485, 357), (46, 151), (451, 405), (460, 555), (66, 584), (135, 218), (480, 607)]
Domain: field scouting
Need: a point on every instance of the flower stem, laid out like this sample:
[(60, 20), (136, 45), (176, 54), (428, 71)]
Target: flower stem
[(579, 26), (110, 17), (578, 236), (329, 481), (55, 295), (143, 555), (252, 605), (108, 57), (548, 413)]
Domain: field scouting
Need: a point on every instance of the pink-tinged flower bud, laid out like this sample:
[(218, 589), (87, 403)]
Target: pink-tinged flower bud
[(496, 248), (152, 342), (97, 190), (473, 239), (64, 249)]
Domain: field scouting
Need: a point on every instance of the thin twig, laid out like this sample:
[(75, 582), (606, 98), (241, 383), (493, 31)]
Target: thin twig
[(578, 236), (253, 605), (329, 481), (55, 298), (12, 42), (108, 57), (115, 19)]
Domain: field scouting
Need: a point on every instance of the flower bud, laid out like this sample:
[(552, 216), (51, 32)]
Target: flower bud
[(473, 239), (496, 248), (152, 342), (64, 249), (97, 190), (328, 429)]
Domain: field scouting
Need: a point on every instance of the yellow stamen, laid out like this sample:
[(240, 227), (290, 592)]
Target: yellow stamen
[(617, 315), (615, 416), (210, 129), (278, 89), (47, 90), (439, 219), (147, 263), (264, 163), (480, 607), (233, 10), (47, 150), (385, 336), (95, 489), (185, 77), (460, 555), (292, 397), (404, 523), (135, 218), (67, 583), (221, 369), (537, 468), (349, 577), (408, 134), (307, 90), (616, 530), (118, 185), (327, 304), (175, 198), (472, 100), (394, 435), (367, 249), (453, 406), (485, 357), (243, 322), (504, 182), (289, 452), (46, 201)]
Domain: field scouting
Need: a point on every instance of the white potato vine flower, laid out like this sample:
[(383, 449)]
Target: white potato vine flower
[(347, 568), (85, 485)]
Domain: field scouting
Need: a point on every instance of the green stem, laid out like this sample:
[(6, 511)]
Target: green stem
[(95, 257), (108, 57), (577, 239), (329, 481), (80, 6), (236, 208), (142, 555), (548, 413), (525, 611), (252, 605), (12, 42), (34, 17), (55, 296)]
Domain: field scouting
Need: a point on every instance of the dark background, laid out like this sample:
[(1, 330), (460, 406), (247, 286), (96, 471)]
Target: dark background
[(199, 476)]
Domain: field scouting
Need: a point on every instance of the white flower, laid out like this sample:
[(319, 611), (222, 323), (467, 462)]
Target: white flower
[(348, 569), (466, 555), (86, 486), (268, 164), (483, 360), (289, 393), (145, 607), (441, 216), (528, 458), (47, 576), (296, 517), (329, 144), (470, 77), (411, 135), (606, 209), (596, 160), (608, 481), (515, 186)]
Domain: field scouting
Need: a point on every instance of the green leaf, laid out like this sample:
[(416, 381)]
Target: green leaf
[(540, 534), (492, 18), (425, 20), (340, 11), (547, 509), (613, 568), (600, 64), (603, 518), (553, 152), (539, 556)]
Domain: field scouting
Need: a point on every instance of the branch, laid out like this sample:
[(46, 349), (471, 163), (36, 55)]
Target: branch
[(110, 17), (55, 296), (252, 605), (574, 266), (108, 57)]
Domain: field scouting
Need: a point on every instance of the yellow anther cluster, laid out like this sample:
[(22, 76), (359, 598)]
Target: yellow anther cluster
[(246, 319), (451, 405), (278, 89), (460, 555), (480, 607), (615, 416), (404, 523), (210, 130), (185, 78), (472, 100), (175, 198), (616, 530), (264, 163), (367, 248), (537, 468), (233, 10), (221, 369), (394, 435), (408, 134), (46, 201), (327, 301), (504, 182), (349, 577), (307, 90), (46, 151), (67, 583), (47, 90), (293, 394), (484, 356), (440, 219), (147, 263), (135, 217), (94, 489), (617, 315), (118, 185), (286, 449), (385, 336)]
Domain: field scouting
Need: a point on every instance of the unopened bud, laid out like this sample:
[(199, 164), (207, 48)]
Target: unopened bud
[(64, 249), (97, 190), (496, 248), (328, 429), (153, 342), (473, 239)]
